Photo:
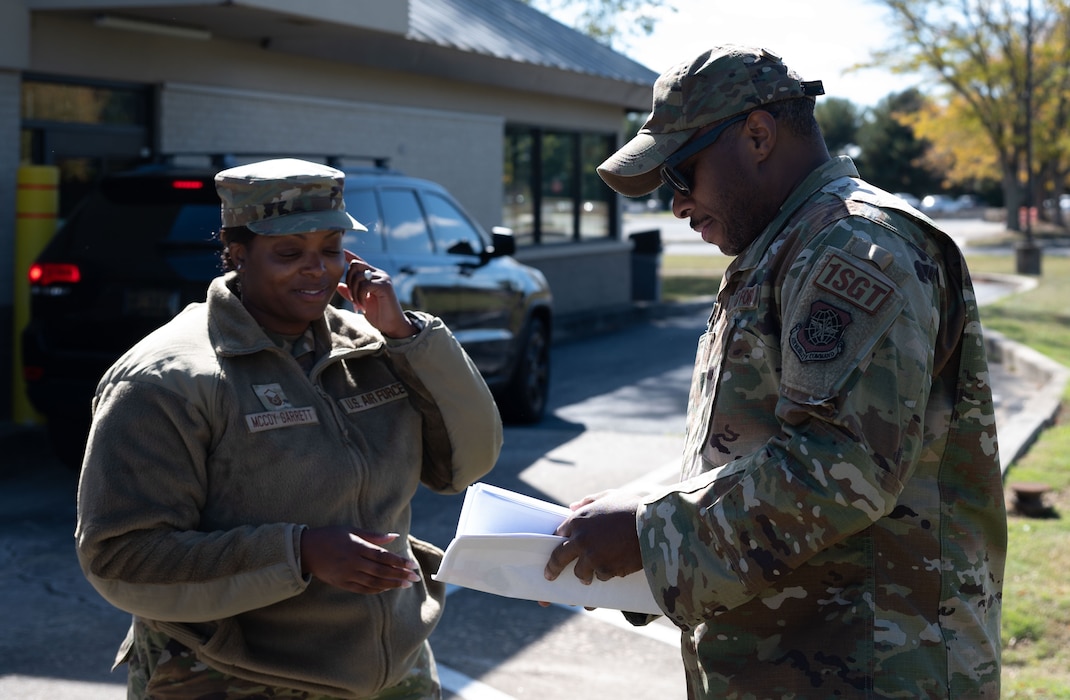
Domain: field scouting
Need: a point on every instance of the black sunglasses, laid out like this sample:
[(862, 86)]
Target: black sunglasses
[(673, 177)]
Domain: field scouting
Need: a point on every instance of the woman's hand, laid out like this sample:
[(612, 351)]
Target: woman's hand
[(354, 560), (372, 292)]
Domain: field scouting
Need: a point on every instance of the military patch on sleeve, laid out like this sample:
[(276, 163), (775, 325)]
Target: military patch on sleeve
[(820, 337), (833, 319), (862, 288)]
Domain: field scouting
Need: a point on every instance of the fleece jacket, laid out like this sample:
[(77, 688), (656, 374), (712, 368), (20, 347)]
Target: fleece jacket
[(211, 452)]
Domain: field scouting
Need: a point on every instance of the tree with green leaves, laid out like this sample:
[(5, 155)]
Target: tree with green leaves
[(1053, 114), (608, 21), (891, 155), (840, 120)]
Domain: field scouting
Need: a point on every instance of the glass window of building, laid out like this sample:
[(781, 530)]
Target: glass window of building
[(597, 199), (77, 103), (552, 191), (558, 183), (519, 174), (86, 129)]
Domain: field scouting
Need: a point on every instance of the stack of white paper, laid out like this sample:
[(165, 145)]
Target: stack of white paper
[(503, 542)]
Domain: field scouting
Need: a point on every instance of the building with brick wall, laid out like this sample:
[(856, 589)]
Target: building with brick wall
[(507, 108)]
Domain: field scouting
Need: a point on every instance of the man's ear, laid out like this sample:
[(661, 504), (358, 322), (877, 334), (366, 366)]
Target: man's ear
[(760, 133)]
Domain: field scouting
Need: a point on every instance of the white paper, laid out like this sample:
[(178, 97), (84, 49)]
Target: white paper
[(503, 542)]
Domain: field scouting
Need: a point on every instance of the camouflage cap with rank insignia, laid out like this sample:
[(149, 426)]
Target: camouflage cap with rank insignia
[(720, 83), (284, 196)]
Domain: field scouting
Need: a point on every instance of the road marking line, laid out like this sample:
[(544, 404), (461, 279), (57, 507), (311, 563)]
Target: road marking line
[(664, 475), (470, 689), (659, 633), (667, 635), (467, 688)]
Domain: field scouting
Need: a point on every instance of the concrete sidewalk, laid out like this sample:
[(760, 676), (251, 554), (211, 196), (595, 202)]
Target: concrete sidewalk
[(1028, 389)]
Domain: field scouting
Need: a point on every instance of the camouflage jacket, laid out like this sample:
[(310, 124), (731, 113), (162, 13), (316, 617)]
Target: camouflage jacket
[(839, 529)]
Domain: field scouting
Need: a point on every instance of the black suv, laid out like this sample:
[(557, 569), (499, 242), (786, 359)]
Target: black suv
[(142, 246)]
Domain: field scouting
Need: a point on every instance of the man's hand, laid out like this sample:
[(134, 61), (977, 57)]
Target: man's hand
[(601, 538), (353, 560)]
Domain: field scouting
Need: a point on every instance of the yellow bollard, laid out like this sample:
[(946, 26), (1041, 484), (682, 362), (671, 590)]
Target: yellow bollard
[(36, 211)]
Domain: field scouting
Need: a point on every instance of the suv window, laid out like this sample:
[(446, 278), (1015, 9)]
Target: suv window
[(195, 223), (453, 233), (152, 220), (403, 223), (362, 206)]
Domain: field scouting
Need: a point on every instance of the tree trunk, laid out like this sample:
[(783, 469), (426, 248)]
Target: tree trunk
[(1012, 199)]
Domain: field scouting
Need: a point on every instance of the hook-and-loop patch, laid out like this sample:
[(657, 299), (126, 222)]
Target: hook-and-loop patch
[(842, 311)]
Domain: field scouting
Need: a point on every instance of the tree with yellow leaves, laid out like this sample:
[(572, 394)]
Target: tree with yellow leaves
[(959, 148), (1003, 67)]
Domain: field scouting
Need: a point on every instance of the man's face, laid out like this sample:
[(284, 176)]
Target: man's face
[(725, 204)]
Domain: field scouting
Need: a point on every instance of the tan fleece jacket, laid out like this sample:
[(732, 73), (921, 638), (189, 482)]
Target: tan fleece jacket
[(211, 451)]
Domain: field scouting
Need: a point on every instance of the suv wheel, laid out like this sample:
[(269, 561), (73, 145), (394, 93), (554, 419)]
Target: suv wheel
[(524, 399)]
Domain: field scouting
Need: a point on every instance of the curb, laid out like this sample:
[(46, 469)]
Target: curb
[(1020, 427)]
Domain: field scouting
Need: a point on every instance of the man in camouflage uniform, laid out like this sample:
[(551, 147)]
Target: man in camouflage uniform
[(839, 528)]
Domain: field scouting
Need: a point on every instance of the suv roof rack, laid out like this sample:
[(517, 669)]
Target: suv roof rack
[(230, 159)]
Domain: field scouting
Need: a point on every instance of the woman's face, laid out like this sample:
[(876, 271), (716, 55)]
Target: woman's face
[(287, 281)]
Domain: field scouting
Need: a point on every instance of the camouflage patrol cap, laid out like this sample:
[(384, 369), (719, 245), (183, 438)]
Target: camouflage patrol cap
[(284, 196), (720, 83)]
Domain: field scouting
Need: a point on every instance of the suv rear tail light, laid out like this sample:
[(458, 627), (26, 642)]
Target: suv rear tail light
[(187, 184), (45, 274)]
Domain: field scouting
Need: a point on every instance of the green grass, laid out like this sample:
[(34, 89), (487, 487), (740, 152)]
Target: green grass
[(1036, 595), (689, 276)]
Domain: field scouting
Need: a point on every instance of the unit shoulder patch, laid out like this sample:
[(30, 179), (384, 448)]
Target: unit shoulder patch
[(820, 337)]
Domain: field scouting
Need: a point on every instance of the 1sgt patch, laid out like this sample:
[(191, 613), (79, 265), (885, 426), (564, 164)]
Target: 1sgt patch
[(862, 288), (820, 337)]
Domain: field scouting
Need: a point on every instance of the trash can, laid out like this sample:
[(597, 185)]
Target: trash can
[(646, 258)]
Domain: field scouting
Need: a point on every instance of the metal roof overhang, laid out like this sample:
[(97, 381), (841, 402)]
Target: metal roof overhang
[(339, 31)]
